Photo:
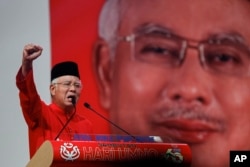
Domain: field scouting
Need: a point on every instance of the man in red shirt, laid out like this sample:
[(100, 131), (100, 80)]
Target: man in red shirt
[(45, 122)]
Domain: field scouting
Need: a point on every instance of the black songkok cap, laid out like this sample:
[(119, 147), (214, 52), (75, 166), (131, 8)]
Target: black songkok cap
[(65, 68)]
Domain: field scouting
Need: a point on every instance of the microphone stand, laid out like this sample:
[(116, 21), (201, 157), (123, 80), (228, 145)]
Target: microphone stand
[(72, 115), (87, 105)]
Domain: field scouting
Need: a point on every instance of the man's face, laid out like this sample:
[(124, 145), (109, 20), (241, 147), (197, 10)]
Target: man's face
[(207, 109), (66, 88)]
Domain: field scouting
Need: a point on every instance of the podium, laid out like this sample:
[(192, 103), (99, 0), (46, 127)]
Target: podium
[(110, 153)]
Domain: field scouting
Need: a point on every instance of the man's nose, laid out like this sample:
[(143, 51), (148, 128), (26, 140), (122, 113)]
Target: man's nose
[(190, 83)]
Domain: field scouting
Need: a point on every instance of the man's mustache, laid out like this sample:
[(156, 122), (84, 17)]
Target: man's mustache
[(192, 114)]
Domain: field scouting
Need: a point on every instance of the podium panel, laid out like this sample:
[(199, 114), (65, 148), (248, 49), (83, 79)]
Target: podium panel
[(101, 153)]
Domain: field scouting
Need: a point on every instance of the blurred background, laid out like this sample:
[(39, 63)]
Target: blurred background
[(21, 22)]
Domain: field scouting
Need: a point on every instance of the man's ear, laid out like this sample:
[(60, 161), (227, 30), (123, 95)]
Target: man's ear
[(52, 90), (102, 64)]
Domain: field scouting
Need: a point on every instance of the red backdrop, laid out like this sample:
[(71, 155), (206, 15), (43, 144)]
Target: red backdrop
[(73, 28)]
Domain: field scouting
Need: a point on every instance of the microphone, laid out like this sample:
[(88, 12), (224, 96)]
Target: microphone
[(73, 100), (87, 105)]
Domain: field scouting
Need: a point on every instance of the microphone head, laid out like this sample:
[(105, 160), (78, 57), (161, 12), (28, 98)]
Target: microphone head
[(87, 105), (73, 99)]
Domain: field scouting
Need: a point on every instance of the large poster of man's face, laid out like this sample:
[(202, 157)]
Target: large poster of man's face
[(175, 69)]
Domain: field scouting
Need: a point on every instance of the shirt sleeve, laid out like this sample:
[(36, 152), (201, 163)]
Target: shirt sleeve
[(29, 99)]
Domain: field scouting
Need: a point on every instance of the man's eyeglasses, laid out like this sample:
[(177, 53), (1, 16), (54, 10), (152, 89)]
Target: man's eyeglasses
[(77, 85), (223, 54)]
